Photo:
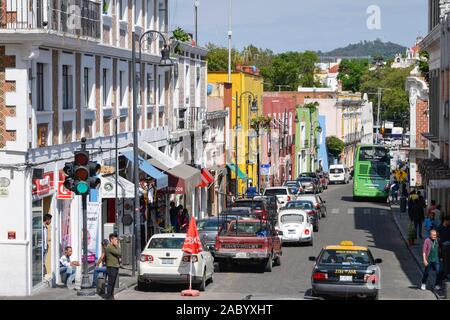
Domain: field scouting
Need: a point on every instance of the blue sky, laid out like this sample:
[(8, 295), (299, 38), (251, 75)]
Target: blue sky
[(299, 25)]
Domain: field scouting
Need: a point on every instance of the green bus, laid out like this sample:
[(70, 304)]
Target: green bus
[(371, 172)]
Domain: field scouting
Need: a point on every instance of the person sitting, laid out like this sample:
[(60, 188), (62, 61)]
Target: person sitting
[(100, 266), (67, 268)]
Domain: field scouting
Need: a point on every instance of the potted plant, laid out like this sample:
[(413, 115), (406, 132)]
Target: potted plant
[(411, 234)]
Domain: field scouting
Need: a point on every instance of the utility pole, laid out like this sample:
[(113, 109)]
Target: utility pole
[(116, 225), (230, 33), (378, 114), (236, 143), (196, 4)]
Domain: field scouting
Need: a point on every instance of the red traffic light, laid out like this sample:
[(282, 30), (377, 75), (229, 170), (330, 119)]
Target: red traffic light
[(81, 173), (81, 158)]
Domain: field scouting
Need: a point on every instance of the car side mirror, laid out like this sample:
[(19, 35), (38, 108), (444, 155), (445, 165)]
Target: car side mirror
[(377, 261), (279, 232), (312, 258)]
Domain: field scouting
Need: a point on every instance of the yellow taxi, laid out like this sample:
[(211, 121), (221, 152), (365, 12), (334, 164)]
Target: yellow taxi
[(345, 270)]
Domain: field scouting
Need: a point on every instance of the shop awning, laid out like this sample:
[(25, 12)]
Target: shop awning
[(241, 175), (154, 153), (207, 178), (182, 179), (162, 180), (125, 189)]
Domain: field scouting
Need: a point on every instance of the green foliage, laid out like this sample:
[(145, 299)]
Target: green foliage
[(180, 35), (335, 146), (424, 65), (105, 7), (218, 58), (386, 50), (394, 101), (350, 73), (260, 122)]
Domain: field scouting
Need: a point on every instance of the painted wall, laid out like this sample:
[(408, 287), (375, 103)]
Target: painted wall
[(321, 140)]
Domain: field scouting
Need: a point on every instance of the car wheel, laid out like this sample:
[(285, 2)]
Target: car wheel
[(142, 286), (269, 264), (373, 297), (324, 214), (316, 228), (311, 243), (202, 285)]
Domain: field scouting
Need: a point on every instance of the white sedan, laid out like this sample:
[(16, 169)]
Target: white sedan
[(295, 226), (163, 261)]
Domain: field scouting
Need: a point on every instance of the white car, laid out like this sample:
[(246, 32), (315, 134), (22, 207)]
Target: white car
[(318, 203), (295, 226), (163, 261), (339, 173), (283, 194)]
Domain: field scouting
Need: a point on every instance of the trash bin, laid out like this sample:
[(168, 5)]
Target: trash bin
[(402, 204), (126, 244)]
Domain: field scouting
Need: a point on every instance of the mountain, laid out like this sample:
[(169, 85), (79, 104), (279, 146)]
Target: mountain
[(365, 49)]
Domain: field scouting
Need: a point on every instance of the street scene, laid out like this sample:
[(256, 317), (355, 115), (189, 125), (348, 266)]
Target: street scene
[(178, 150)]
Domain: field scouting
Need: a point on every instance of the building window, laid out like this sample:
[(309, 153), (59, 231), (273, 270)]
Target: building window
[(121, 87), (67, 87), (162, 15), (86, 87), (40, 86), (160, 90), (149, 89), (149, 13), (121, 10), (104, 84)]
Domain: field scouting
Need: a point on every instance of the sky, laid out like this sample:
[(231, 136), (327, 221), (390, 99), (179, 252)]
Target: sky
[(298, 25)]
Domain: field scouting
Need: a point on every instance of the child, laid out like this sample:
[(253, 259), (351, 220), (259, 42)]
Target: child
[(429, 224)]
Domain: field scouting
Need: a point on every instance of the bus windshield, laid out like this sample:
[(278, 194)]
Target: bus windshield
[(378, 154)]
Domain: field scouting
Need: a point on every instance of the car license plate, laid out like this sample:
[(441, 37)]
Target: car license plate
[(167, 261), (345, 278), (336, 176), (241, 255), (291, 231)]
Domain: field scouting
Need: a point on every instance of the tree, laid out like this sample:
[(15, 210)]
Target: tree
[(350, 73), (335, 146), (218, 58), (307, 67), (284, 70)]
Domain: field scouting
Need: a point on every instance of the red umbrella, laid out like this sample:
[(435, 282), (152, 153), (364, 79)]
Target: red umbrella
[(192, 245)]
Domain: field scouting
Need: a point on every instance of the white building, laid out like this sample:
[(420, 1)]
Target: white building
[(64, 77)]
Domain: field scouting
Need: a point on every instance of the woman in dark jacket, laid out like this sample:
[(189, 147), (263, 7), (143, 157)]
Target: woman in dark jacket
[(417, 216)]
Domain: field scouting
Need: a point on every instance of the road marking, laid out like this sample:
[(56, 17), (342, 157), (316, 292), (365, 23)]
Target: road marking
[(351, 211), (335, 210)]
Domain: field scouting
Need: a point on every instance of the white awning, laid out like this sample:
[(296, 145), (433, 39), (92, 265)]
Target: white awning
[(158, 155), (108, 187)]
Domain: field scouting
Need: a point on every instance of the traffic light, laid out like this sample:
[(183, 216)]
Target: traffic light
[(81, 174)]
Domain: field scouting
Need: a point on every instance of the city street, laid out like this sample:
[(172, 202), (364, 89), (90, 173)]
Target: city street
[(364, 223)]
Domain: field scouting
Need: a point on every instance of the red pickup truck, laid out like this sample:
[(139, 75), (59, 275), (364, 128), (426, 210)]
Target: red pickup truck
[(248, 241)]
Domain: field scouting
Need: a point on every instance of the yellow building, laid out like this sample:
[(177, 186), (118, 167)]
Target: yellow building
[(247, 84)]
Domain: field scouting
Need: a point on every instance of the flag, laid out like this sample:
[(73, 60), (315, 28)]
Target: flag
[(192, 244)]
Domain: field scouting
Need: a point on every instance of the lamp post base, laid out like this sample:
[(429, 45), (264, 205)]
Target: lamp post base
[(86, 289), (190, 293)]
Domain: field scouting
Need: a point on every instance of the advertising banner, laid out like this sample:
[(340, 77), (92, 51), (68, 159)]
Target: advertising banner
[(94, 211)]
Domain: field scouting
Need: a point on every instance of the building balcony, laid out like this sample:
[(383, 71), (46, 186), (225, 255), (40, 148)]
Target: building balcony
[(81, 18)]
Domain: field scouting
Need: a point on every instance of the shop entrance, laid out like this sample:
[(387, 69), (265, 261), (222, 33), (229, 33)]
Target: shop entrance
[(36, 243)]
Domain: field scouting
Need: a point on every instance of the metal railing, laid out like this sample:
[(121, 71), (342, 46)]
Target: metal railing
[(77, 17)]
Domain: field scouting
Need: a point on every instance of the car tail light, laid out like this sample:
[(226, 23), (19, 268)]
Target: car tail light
[(311, 212), (320, 276), (146, 258), (317, 206), (289, 198), (188, 259), (307, 232)]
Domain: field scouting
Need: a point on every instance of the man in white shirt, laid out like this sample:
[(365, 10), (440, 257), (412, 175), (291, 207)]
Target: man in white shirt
[(68, 267)]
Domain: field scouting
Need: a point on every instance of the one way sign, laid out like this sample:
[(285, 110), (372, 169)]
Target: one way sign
[(63, 193)]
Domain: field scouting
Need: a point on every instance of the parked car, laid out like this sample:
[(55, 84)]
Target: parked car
[(163, 261), (209, 228), (339, 173), (318, 202), (345, 270), (295, 226), (248, 241), (271, 203), (311, 175), (294, 184), (284, 194), (258, 207), (309, 184), (308, 207)]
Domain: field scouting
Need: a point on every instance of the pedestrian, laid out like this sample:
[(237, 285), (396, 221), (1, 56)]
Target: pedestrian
[(68, 267), (394, 192), (431, 207), (412, 197), (429, 224), (179, 213), (251, 191), (100, 266), (183, 221), (47, 219), (113, 254), (422, 201), (173, 211), (417, 216), (444, 230), (431, 259), (438, 215)]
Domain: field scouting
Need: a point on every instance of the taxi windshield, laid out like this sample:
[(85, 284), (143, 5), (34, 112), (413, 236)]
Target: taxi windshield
[(345, 257)]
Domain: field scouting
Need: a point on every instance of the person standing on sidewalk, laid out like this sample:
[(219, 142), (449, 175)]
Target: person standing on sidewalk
[(417, 216), (45, 240), (431, 260), (113, 253)]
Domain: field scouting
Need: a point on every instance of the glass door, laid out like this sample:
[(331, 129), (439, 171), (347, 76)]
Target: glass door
[(36, 245)]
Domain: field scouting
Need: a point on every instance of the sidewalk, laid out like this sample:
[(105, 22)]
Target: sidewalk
[(126, 281), (402, 221)]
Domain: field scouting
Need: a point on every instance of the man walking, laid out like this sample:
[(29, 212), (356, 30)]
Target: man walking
[(417, 217), (431, 259), (46, 242), (113, 253), (173, 216)]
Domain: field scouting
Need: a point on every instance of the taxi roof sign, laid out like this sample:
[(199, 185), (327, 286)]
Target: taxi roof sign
[(346, 243)]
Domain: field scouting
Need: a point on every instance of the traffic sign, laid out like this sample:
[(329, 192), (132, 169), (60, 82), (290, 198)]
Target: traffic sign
[(63, 193)]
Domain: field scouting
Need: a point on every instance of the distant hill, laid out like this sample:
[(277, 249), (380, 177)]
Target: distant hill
[(366, 49)]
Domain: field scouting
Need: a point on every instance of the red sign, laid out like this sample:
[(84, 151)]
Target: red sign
[(192, 242), (63, 193), (45, 186), (11, 235), (207, 178)]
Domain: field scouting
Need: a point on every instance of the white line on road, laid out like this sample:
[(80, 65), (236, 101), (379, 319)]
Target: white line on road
[(335, 210)]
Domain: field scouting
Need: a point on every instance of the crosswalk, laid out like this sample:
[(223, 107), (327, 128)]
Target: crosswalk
[(365, 211)]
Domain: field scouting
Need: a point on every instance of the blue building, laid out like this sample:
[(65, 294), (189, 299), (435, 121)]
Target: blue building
[(321, 141)]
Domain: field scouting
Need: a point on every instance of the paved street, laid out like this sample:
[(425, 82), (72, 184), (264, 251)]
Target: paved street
[(367, 224)]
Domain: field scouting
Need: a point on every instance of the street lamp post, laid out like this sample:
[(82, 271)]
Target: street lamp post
[(251, 104), (165, 61)]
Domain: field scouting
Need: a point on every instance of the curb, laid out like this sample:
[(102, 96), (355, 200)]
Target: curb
[(127, 286), (416, 259)]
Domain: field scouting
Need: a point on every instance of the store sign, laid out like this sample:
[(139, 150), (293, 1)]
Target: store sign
[(45, 186), (63, 193), (11, 235), (107, 170), (4, 192), (265, 170)]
